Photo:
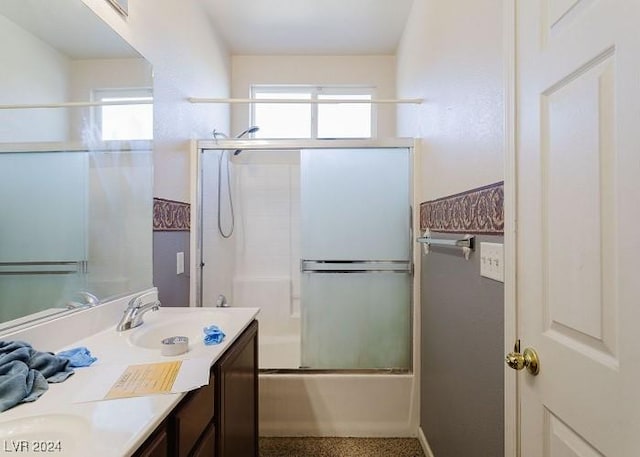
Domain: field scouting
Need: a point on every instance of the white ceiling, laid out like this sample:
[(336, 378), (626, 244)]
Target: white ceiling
[(69, 26), (304, 27)]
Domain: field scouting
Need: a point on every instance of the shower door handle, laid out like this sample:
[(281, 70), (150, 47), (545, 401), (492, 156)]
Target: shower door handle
[(356, 266)]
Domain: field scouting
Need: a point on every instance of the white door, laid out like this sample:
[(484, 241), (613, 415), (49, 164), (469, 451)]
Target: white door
[(578, 210)]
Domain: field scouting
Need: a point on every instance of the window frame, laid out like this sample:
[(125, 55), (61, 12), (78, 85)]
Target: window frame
[(315, 91)]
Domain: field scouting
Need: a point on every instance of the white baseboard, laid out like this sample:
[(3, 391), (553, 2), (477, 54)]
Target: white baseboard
[(424, 443)]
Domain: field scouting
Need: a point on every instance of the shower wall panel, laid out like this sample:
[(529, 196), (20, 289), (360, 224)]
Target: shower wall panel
[(267, 241)]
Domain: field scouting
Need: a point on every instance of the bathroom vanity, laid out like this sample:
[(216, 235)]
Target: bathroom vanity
[(217, 419), (220, 419)]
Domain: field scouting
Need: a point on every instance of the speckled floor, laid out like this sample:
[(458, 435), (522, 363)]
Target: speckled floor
[(340, 447)]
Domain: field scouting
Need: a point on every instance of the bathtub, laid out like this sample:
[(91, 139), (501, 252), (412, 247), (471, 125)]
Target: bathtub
[(279, 351), (299, 403)]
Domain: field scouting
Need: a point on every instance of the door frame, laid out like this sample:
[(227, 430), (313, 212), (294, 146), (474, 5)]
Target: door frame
[(511, 394)]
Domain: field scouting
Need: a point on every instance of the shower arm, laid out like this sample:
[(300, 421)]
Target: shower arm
[(247, 131)]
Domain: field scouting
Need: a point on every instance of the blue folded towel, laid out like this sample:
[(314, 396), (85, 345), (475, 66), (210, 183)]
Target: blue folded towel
[(77, 357), (25, 372), (213, 335)]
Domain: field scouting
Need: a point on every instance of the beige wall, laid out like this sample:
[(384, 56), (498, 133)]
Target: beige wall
[(451, 55), (377, 71), (189, 60), (42, 78), (86, 75)]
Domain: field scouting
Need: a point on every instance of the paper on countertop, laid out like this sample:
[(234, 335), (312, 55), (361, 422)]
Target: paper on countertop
[(124, 381)]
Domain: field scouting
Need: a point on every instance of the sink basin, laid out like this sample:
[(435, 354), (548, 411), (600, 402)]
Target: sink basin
[(62, 434), (164, 324)]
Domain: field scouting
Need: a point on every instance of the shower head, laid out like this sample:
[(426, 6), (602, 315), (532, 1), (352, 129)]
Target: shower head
[(252, 129)]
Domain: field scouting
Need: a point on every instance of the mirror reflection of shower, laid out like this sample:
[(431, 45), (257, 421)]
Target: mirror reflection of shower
[(224, 155)]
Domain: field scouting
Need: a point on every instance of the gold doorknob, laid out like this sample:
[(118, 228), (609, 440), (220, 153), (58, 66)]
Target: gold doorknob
[(528, 359)]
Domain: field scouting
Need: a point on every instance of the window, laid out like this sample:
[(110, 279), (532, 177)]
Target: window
[(344, 120), (278, 120), (322, 120), (129, 121)]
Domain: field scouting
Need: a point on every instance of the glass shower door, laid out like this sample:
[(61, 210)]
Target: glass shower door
[(356, 262), (43, 235), (356, 320)]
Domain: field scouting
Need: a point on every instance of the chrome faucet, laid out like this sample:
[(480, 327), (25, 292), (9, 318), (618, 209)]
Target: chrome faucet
[(88, 300), (222, 302), (132, 317)]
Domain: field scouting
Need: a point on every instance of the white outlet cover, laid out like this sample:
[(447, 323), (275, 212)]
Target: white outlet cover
[(492, 261), (179, 263)]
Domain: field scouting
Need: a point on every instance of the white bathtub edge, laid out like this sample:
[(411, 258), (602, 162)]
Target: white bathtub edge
[(338, 405)]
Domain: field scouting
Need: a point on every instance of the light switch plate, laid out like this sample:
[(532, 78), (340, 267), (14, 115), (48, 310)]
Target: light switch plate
[(179, 263), (492, 261)]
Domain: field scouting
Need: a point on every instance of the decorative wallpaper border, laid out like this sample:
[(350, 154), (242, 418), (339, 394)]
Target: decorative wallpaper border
[(171, 215), (477, 211)]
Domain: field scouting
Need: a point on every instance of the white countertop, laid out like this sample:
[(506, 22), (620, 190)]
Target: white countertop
[(108, 427)]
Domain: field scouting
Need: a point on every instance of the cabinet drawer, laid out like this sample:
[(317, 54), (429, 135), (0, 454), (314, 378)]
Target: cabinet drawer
[(192, 417), (206, 447), (155, 446)]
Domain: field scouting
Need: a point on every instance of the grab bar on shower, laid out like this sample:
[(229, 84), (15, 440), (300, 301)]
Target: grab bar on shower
[(60, 267)]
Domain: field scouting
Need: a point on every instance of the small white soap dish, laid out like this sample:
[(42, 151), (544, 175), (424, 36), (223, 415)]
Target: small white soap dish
[(174, 345)]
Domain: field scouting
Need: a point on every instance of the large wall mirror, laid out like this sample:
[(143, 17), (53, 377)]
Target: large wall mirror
[(75, 161)]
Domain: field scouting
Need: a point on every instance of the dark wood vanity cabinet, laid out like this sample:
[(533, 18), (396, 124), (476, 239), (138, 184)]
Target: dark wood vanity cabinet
[(221, 418), (157, 445), (191, 419), (236, 408)]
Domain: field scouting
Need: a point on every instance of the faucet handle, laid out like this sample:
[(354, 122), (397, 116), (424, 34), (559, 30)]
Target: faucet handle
[(88, 298), (139, 300)]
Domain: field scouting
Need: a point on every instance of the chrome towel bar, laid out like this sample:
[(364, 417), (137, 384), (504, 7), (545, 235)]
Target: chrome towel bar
[(468, 243), (462, 243)]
